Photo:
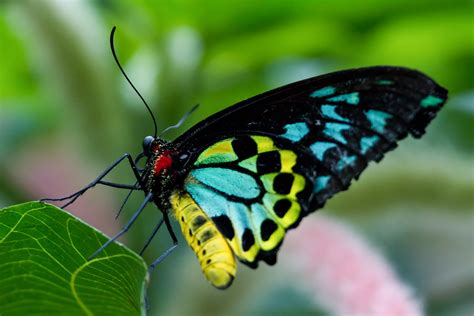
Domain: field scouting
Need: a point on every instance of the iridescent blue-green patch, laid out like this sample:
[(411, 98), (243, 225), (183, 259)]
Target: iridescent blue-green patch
[(378, 119), (239, 216), (214, 204), (296, 131), (329, 111), (350, 98), (430, 100), (228, 181), (345, 161), (259, 213), (321, 183), (323, 92), (319, 149), (334, 130), (250, 163), (368, 142)]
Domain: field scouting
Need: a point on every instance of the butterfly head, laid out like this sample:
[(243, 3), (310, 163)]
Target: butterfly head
[(148, 145), (153, 145)]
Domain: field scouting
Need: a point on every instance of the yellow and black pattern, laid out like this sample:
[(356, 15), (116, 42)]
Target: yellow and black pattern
[(214, 254), (251, 190)]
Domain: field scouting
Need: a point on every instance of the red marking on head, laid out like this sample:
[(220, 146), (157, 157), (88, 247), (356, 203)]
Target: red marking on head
[(164, 161)]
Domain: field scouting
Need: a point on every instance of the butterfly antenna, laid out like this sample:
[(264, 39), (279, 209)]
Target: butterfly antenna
[(181, 121), (130, 82)]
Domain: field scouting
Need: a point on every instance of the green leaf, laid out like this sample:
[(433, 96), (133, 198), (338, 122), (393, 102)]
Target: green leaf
[(44, 268)]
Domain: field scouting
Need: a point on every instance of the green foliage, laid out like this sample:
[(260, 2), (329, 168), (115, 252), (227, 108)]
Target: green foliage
[(44, 266)]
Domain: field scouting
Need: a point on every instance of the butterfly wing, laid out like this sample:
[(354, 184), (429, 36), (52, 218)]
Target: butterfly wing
[(261, 165)]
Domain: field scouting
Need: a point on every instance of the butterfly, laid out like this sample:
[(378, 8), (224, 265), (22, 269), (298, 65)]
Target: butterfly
[(239, 180), (246, 175)]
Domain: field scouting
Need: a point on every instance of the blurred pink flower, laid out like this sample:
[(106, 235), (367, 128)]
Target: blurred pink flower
[(344, 273)]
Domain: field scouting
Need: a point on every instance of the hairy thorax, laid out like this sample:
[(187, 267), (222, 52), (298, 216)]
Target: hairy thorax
[(161, 173)]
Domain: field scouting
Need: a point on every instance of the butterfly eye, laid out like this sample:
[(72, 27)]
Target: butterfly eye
[(147, 145)]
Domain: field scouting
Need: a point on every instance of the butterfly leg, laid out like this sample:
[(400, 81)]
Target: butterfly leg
[(127, 226), (170, 249), (170, 228), (125, 201), (162, 257), (157, 227), (73, 197)]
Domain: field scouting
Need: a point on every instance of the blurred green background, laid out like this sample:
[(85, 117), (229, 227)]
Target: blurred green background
[(66, 113)]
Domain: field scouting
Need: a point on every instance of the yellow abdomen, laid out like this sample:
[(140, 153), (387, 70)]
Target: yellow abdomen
[(214, 253)]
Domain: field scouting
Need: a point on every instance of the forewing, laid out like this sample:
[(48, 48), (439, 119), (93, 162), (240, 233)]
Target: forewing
[(409, 96)]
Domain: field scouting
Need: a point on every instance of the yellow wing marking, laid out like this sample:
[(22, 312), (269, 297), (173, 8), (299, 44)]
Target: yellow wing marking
[(264, 144), (219, 152), (292, 213), (288, 160), (298, 184), (248, 255)]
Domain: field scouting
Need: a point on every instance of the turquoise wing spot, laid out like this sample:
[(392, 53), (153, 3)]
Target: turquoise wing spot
[(296, 131), (430, 100), (320, 148), (368, 142), (349, 98), (228, 181), (345, 161), (334, 130), (213, 203), (259, 214), (323, 92), (267, 181), (377, 119), (321, 183), (239, 216), (250, 163), (329, 111)]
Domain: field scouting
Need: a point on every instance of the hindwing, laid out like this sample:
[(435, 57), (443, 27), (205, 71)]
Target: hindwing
[(253, 191)]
